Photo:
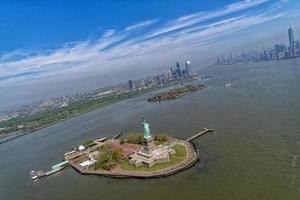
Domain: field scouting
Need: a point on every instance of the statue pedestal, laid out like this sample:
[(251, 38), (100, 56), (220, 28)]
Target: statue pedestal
[(148, 155), (147, 148)]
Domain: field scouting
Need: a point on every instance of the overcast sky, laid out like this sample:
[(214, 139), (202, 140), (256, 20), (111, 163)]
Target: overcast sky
[(51, 48)]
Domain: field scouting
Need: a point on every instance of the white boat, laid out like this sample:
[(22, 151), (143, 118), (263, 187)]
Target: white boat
[(52, 171), (55, 168), (228, 85), (33, 175)]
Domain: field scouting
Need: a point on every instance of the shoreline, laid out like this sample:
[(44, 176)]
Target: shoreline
[(191, 159), (6, 136)]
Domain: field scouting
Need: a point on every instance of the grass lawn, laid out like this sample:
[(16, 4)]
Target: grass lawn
[(89, 143), (159, 142), (176, 158)]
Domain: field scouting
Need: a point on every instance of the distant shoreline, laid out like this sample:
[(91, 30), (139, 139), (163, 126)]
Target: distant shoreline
[(5, 137)]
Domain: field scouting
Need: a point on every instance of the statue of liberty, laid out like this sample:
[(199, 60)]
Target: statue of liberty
[(147, 133)]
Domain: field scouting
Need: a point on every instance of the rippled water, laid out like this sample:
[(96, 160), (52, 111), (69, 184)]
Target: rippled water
[(254, 152)]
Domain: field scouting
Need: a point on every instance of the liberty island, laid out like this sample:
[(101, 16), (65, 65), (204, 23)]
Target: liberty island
[(133, 155)]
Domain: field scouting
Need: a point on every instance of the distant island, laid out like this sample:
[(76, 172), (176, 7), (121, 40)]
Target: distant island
[(50, 111), (175, 93)]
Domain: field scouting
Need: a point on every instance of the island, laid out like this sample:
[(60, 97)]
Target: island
[(45, 113), (138, 155), (175, 93)]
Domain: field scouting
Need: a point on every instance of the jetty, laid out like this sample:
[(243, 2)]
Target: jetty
[(9, 138), (117, 136), (204, 130)]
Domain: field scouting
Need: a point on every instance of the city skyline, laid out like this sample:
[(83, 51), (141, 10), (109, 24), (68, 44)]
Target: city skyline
[(68, 102), (279, 51), (97, 49), (149, 99), (157, 80)]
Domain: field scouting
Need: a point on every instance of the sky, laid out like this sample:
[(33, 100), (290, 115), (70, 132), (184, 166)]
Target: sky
[(54, 47)]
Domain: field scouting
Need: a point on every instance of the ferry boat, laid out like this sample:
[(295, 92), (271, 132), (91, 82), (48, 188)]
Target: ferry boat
[(55, 168), (228, 85), (33, 175)]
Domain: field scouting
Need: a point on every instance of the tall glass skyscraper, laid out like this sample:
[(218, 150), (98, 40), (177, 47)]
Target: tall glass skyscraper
[(291, 40), (130, 85), (187, 70)]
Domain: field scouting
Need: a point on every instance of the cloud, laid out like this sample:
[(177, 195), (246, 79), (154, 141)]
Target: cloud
[(141, 25), (116, 50), (196, 18), (108, 33)]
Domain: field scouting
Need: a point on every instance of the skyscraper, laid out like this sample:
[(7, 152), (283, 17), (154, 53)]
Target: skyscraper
[(157, 79), (187, 70), (130, 85), (173, 73), (291, 41), (297, 47), (178, 70)]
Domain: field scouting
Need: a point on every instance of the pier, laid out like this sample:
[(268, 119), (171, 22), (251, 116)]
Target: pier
[(117, 135), (205, 130), (55, 168)]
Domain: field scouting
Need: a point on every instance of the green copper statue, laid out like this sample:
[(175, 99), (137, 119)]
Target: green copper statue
[(146, 130)]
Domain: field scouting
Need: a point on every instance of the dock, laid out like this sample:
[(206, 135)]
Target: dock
[(117, 135), (205, 130), (55, 168)]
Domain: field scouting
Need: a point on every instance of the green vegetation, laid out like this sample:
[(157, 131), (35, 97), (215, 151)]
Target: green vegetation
[(160, 139), (135, 138), (31, 122), (178, 157), (37, 120), (109, 157), (89, 143), (138, 138), (174, 93)]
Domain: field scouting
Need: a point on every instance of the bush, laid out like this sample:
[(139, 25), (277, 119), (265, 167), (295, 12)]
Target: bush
[(122, 141), (108, 158), (136, 138), (161, 137)]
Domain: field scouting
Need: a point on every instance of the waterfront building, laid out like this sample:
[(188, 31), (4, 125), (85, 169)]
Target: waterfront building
[(274, 55), (279, 48), (222, 59), (174, 74), (184, 74), (187, 68), (146, 81), (291, 41), (130, 85), (167, 75), (218, 60), (178, 71), (158, 79), (297, 47)]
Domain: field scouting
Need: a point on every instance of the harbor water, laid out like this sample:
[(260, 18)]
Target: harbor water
[(253, 153)]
